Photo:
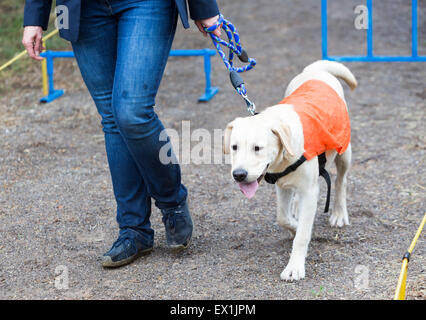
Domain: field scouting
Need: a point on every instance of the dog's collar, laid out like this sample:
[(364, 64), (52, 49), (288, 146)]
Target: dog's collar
[(272, 178)]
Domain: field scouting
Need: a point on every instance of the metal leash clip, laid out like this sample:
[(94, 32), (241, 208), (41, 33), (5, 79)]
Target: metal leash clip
[(251, 107)]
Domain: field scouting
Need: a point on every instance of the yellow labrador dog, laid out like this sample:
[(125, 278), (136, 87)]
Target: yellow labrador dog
[(291, 144)]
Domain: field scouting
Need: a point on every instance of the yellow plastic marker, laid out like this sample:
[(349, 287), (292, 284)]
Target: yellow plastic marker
[(402, 281)]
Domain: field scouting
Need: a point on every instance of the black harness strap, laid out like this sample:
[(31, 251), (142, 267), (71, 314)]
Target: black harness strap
[(323, 173), (272, 178)]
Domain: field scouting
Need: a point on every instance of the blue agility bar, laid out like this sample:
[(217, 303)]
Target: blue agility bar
[(53, 94), (50, 56), (370, 57)]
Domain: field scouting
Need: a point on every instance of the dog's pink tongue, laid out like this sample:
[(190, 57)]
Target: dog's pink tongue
[(249, 189)]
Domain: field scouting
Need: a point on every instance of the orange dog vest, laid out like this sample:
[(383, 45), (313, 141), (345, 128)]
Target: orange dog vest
[(324, 118)]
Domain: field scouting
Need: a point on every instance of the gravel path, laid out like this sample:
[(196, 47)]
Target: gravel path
[(57, 207)]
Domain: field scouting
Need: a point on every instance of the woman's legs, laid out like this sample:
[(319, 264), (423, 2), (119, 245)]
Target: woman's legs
[(144, 38), (96, 53), (122, 52)]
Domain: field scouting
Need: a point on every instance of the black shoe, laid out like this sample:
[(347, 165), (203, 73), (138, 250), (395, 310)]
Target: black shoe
[(179, 227), (124, 250)]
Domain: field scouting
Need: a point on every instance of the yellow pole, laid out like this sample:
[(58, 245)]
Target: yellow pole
[(44, 73), (50, 35), (19, 56), (23, 53), (402, 281)]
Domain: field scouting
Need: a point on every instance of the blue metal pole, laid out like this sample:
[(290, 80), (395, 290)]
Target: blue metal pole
[(414, 35), (377, 59), (50, 71), (53, 93), (190, 52), (207, 68), (324, 29), (370, 28), (209, 91)]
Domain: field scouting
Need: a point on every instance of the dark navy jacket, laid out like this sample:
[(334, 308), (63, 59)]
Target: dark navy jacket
[(37, 13)]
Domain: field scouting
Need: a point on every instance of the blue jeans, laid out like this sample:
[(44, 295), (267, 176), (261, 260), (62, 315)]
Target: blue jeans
[(122, 51)]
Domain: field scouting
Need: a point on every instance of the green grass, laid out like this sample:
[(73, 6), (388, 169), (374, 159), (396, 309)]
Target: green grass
[(11, 21)]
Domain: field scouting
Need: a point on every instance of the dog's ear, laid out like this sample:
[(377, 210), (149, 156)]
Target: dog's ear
[(227, 137), (283, 133)]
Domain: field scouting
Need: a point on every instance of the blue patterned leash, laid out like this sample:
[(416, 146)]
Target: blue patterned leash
[(235, 48)]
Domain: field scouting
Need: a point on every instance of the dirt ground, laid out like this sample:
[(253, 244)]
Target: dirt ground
[(56, 203)]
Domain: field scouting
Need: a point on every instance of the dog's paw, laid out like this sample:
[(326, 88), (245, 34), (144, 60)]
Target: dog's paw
[(339, 219), (293, 272)]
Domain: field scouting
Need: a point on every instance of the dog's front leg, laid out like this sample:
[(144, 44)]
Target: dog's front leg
[(285, 209), (295, 268)]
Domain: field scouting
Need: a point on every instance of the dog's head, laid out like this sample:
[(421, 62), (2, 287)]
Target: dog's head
[(254, 143)]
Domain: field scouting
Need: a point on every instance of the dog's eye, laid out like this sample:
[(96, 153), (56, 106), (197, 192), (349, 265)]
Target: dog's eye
[(234, 147), (257, 148)]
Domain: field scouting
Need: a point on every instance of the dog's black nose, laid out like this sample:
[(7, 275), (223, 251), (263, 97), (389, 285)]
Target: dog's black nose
[(239, 175)]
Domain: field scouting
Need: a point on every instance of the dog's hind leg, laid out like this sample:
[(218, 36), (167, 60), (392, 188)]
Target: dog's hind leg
[(287, 209), (340, 217)]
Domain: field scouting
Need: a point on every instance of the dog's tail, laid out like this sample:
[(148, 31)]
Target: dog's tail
[(336, 69)]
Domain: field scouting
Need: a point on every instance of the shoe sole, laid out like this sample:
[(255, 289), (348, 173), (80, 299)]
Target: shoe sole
[(180, 247), (108, 263)]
